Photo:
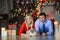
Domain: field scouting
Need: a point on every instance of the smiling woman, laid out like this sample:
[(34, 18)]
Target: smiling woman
[(26, 25)]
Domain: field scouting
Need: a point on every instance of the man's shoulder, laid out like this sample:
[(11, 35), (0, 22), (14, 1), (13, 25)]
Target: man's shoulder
[(48, 20), (37, 21)]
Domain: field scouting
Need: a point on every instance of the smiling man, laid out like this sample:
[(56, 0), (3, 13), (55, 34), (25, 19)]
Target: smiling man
[(43, 26)]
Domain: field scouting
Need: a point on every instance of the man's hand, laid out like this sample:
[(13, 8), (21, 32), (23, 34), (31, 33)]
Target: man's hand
[(43, 34)]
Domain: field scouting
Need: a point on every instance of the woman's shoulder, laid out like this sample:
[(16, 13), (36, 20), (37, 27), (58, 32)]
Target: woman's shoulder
[(23, 22)]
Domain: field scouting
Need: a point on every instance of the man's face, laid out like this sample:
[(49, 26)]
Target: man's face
[(42, 18)]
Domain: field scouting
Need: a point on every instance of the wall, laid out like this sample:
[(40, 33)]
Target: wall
[(5, 6), (52, 12)]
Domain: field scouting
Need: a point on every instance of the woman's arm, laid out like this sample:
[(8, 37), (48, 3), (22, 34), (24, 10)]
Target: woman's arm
[(21, 29)]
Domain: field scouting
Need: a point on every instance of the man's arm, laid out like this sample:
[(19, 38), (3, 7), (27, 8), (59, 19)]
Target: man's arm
[(50, 32)]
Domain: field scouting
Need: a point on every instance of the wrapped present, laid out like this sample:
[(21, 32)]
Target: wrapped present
[(56, 23), (3, 29), (9, 32), (14, 32), (3, 32)]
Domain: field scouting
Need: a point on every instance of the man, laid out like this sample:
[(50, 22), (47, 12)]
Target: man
[(43, 26)]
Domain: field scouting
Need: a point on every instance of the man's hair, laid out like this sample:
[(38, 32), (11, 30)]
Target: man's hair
[(41, 14)]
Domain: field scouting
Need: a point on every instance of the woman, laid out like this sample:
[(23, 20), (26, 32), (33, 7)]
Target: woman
[(26, 25)]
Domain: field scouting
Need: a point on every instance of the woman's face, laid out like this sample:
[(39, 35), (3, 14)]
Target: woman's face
[(28, 19)]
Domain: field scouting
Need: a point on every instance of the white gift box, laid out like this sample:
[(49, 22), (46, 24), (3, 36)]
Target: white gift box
[(4, 35), (4, 38), (57, 33), (9, 32), (14, 32), (3, 32), (3, 29), (56, 23), (9, 37), (12, 38), (59, 30)]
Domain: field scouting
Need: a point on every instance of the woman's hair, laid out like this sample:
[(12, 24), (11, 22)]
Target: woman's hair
[(28, 14), (31, 22)]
